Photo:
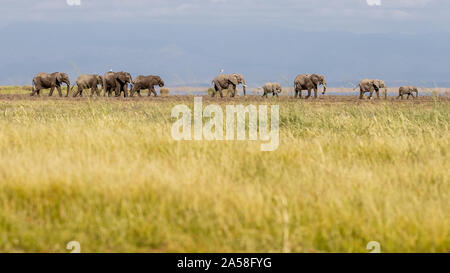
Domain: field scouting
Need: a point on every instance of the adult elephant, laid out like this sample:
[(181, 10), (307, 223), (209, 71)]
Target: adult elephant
[(146, 82), (117, 81), (369, 86), (309, 82), (87, 81), (225, 81), (52, 81), (408, 90), (272, 87)]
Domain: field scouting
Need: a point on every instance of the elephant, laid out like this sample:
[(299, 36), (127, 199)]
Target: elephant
[(308, 82), (88, 81), (52, 81), (408, 90), (146, 82), (370, 85), (272, 87), (117, 81), (225, 81)]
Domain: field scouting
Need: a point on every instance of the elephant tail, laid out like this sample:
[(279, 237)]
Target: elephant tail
[(356, 87), (33, 86)]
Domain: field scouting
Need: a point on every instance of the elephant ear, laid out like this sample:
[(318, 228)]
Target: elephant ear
[(376, 84), (234, 79), (239, 78), (121, 77), (59, 77), (315, 79)]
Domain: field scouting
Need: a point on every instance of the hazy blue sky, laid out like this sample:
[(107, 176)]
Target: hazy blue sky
[(188, 42)]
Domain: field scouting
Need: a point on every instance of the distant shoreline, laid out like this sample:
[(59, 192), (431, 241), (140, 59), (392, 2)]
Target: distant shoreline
[(255, 90)]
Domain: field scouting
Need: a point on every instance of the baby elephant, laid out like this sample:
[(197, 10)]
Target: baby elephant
[(88, 81), (272, 87), (146, 82), (408, 90)]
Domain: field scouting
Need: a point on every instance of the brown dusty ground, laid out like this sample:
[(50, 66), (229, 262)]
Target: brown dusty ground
[(323, 100)]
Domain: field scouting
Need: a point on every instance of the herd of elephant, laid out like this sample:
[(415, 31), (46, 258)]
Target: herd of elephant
[(118, 82), (111, 81)]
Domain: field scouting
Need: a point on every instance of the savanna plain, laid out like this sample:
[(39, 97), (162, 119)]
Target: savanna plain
[(107, 173)]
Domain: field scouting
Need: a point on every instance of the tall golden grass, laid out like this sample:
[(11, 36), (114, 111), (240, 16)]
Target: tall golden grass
[(107, 174)]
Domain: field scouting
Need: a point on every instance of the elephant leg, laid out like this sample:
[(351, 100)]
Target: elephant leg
[(309, 94), (300, 94), (296, 94), (233, 93), (378, 94), (76, 93), (216, 89), (361, 95), (315, 93), (125, 91), (149, 92), (265, 94), (59, 91), (117, 91), (36, 91), (220, 92), (51, 91), (138, 92), (370, 95)]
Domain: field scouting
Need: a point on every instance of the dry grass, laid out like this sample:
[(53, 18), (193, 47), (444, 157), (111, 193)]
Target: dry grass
[(107, 173)]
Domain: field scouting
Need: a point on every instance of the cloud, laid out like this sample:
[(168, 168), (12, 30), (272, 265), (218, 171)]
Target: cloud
[(374, 2), (349, 15)]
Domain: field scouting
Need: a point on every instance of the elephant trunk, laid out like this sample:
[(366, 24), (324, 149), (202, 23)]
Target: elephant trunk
[(131, 86), (324, 88), (68, 87), (244, 87)]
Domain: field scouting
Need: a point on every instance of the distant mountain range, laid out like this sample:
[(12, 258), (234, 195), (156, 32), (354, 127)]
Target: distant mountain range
[(191, 55)]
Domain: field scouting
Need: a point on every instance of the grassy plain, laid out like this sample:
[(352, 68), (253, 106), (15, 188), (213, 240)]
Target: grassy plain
[(107, 173)]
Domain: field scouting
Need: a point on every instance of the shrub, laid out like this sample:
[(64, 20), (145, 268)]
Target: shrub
[(225, 92), (164, 92)]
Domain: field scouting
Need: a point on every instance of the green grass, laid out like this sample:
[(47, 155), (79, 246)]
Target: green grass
[(12, 89), (107, 173)]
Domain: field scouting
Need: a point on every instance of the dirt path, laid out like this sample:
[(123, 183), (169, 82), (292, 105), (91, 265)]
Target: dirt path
[(327, 99)]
